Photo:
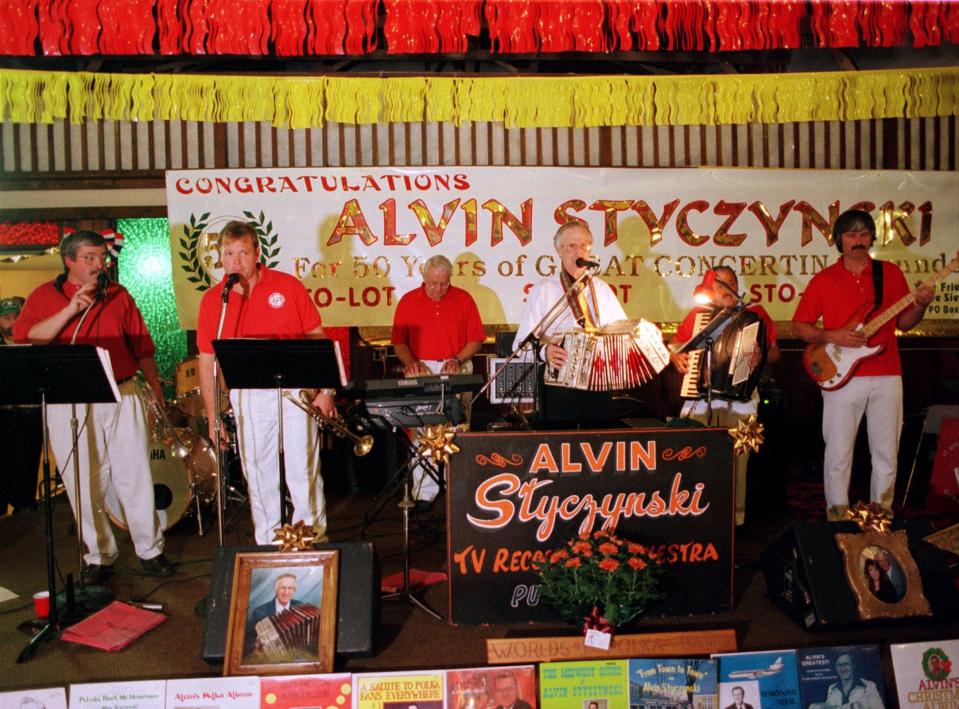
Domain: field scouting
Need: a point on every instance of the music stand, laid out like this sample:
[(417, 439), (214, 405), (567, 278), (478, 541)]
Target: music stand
[(54, 374), (705, 338), (280, 364)]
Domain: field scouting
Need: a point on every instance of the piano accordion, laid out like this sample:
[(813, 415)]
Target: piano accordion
[(622, 355), (732, 375), (290, 634)]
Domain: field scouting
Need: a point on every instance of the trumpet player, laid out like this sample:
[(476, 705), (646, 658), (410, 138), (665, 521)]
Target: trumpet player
[(84, 307), (263, 303)]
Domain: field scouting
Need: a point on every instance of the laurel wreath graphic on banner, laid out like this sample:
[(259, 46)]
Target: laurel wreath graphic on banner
[(199, 262), (191, 254), (267, 241)]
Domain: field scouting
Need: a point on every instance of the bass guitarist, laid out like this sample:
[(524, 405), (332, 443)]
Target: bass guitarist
[(839, 296)]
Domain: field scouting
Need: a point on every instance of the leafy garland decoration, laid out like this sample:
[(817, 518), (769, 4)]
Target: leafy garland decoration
[(267, 238), (190, 254)]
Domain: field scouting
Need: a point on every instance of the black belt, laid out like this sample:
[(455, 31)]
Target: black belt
[(125, 379)]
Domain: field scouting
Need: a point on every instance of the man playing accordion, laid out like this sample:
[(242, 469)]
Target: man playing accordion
[(732, 398), (592, 306)]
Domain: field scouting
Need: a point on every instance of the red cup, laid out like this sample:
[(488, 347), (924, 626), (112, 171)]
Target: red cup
[(41, 603)]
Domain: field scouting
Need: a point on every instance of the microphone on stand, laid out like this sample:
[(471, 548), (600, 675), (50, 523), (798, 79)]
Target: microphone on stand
[(230, 282), (103, 282), (591, 262)]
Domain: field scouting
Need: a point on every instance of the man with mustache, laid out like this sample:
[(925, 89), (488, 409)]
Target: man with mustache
[(834, 295)]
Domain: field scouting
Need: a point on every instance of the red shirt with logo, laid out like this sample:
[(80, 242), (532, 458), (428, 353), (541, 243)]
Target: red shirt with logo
[(113, 323), (835, 294), (278, 308)]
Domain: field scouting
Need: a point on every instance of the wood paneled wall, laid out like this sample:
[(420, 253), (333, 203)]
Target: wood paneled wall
[(104, 148)]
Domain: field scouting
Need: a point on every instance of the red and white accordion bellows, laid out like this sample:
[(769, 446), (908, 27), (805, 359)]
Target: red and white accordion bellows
[(290, 633), (621, 355)]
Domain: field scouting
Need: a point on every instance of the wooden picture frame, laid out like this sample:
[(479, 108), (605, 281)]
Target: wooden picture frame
[(889, 587), (299, 640)]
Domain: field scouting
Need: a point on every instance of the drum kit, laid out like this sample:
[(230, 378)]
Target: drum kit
[(182, 459)]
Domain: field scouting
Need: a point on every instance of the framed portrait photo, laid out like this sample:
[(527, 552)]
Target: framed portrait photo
[(883, 575), (282, 613)]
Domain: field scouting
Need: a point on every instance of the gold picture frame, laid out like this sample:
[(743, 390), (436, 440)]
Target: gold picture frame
[(263, 637), (883, 575)]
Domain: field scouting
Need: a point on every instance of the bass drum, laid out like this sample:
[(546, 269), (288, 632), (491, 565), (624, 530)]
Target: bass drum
[(176, 483)]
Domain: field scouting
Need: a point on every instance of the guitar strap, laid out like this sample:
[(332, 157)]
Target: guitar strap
[(877, 269)]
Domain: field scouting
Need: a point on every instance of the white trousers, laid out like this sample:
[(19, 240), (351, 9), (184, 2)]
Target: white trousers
[(113, 452), (727, 414), (880, 399), (258, 438)]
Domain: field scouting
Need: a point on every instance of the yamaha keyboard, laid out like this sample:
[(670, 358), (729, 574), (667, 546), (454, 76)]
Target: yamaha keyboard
[(415, 401)]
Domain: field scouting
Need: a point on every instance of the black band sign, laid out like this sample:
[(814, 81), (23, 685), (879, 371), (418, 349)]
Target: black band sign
[(515, 496)]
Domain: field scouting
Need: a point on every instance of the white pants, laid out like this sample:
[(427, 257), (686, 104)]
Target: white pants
[(113, 452), (727, 414), (258, 438), (880, 399)]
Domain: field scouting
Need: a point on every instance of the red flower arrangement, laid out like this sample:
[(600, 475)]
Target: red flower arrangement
[(599, 573)]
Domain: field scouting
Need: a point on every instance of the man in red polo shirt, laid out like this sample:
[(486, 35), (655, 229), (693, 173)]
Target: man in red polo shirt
[(834, 295), (436, 330), (81, 306), (267, 304)]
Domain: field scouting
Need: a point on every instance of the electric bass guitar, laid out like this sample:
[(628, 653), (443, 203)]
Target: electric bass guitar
[(830, 365)]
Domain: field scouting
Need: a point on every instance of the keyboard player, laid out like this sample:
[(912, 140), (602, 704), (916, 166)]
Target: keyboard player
[(726, 412), (436, 330)]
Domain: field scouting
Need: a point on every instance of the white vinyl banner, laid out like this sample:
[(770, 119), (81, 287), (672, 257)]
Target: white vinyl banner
[(358, 237)]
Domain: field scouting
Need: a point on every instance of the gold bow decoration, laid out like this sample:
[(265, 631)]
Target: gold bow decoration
[(295, 537), (436, 442), (870, 518), (747, 435)]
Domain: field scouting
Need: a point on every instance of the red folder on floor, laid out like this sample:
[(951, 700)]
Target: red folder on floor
[(113, 627)]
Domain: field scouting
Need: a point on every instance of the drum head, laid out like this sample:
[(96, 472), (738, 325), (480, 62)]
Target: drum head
[(189, 399), (172, 494), (201, 464)]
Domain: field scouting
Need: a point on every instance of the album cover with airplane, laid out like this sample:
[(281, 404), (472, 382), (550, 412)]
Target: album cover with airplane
[(758, 680)]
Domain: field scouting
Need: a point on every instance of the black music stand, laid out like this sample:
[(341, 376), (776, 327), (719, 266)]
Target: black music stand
[(705, 339), (279, 364), (54, 374)]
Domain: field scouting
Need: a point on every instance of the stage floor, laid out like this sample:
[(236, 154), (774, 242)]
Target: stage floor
[(408, 637)]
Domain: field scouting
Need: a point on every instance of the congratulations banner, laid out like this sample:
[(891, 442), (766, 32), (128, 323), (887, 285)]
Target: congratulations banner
[(358, 237)]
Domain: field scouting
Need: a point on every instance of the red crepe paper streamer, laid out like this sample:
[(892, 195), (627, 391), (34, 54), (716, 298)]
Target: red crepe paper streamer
[(19, 27), (170, 27), (360, 26), (329, 26), (53, 27), (126, 26), (288, 27)]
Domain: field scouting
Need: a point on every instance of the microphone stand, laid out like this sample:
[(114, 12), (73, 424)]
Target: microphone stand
[(217, 432), (539, 330), (94, 597)]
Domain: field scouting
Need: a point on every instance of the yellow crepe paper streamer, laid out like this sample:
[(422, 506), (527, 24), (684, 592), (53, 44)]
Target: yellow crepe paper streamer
[(517, 102)]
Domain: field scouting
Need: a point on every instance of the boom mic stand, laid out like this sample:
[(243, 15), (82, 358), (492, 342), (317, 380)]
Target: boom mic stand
[(539, 330)]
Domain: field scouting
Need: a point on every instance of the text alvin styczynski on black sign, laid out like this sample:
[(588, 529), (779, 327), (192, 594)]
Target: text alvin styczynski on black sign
[(515, 496)]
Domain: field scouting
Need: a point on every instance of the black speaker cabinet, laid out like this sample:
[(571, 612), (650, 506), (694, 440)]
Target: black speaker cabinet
[(358, 599), (806, 577)]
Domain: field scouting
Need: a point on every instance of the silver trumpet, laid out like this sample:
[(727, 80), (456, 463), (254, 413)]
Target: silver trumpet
[(361, 444), (163, 430)]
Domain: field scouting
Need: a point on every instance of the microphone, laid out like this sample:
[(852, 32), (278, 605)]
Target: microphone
[(103, 282), (591, 262), (230, 282)]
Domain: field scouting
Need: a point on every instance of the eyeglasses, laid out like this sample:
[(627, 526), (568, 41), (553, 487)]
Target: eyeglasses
[(578, 246)]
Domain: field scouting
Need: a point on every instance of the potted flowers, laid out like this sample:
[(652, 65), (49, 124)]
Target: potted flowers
[(599, 574)]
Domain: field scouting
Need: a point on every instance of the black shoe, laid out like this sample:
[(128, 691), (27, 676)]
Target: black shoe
[(95, 574), (157, 566)]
